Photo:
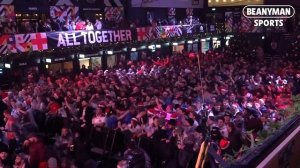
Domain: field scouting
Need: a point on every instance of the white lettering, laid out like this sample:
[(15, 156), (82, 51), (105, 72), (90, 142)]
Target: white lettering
[(123, 35), (69, 43), (269, 11), (249, 11), (74, 39), (91, 37), (128, 35), (280, 23), (84, 37), (117, 35), (256, 23), (104, 36), (98, 36), (61, 41), (110, 36)]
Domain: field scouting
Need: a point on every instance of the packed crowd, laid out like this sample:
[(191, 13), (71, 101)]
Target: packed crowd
[(52, 121)]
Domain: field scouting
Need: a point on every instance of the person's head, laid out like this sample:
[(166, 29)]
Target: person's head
[(230, 127), (3, 155), (122, 164), (134, 122), (65, 163), (52, 162), (227, 117), (210, 121), (84, 103), (64, 132), (221, 122), (6, 114), (19, 159), (32, 138), (155, 121)]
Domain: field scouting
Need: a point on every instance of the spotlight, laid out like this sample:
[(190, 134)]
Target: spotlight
[(190, 42), (215, 39), (110, 52), (133, 49), (213, 9), (158, 46), (175, 44), (203, 40), (263, 37)]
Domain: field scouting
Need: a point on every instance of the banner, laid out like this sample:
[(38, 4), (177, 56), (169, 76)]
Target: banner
[(7, 13), (76, 38), (115, 14), (64, 13), (228, 22), (42, 41)]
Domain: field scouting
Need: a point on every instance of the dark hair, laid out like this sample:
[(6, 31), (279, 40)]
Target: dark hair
[(231, 125)]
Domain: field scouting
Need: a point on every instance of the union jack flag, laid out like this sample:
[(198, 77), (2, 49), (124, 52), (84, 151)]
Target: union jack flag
[(63, 13), (114, 13), (19, 43)]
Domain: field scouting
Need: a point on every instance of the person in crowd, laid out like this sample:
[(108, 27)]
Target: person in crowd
[(4, 157), (20, 161), (36, 150), (98, 24), (64, 142), (89, 25)]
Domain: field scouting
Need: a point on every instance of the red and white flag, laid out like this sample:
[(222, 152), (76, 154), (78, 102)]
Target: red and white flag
[(39, 41)]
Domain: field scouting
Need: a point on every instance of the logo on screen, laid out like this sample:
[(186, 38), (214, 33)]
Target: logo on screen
[(268, 15)]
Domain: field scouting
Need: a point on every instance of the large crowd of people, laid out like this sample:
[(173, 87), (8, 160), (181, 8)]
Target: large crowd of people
[(163, 108)]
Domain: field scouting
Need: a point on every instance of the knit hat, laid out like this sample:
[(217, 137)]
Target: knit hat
[(52, 163), (224, 144)]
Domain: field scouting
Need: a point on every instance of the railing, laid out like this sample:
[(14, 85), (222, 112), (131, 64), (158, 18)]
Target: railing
[(265, 153)]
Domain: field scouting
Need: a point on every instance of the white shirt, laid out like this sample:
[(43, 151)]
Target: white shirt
[(89, 27)]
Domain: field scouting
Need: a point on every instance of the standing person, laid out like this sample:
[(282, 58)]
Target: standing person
[(64, 142), (36, 150), (4, 163), (20, 162), (98, 24), (89, 26), (11, 128)]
